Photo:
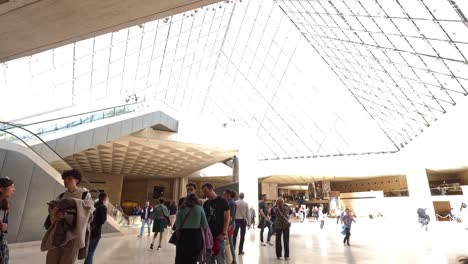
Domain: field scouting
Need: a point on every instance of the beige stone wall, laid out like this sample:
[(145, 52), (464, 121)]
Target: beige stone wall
[(385, 184), (109, 183), (141, 190), (464, 177), (270, 189)]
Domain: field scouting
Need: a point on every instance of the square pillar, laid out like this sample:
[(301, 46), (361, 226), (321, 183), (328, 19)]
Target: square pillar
[(182, 190), (248, 168), (419, 192), (176, 189)]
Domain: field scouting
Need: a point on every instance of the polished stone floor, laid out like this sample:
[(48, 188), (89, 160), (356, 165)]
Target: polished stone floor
[(372, 241)]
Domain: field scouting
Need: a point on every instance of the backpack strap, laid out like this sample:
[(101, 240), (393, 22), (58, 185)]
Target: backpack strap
[(83, 195)]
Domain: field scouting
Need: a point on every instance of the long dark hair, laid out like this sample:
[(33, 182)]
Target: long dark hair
[(5, 183), (190, 201)]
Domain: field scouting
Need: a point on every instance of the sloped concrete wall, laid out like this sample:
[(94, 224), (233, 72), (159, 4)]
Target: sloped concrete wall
[(36, 184)]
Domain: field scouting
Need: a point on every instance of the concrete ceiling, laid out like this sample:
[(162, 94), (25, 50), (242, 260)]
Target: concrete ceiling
[(137, 157), (446, 171), (31, 26)]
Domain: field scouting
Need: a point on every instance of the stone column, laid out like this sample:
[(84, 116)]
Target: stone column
[(176, 190), (182, 190), (235, 169), (419, 192), (249, 171)]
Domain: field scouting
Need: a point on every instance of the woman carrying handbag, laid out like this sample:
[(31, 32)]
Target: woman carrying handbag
[(190, 221), (282, 225)]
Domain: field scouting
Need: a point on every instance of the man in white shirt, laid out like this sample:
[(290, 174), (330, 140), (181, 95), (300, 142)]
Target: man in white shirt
[(242, 220)]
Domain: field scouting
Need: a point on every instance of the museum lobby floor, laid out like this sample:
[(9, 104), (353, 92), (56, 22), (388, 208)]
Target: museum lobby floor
[(372, 241)]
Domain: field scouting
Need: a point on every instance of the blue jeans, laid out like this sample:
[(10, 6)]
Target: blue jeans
[(267, 224), (93, 243), (220, 258), (423, 223), (143, 223)]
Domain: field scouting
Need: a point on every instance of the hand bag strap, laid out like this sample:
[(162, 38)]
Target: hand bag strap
[(281, 213), (185, 218)]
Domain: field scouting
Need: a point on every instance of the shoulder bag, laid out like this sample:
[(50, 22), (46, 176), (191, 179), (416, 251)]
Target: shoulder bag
[(281, 213), (176, 235)]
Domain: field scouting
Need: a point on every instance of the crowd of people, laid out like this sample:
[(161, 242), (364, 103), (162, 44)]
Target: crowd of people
[(201, 230)]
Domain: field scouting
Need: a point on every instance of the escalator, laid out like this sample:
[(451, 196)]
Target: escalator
[(36, 169)]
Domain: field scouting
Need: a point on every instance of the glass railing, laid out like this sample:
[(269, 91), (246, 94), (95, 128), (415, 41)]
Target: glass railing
[(26, 138), (53, 125)]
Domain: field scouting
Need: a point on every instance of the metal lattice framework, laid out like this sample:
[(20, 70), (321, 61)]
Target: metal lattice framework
[(404, 61), (312, 77)]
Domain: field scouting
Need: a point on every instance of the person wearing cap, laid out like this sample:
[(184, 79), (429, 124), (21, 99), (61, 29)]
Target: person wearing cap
[(7, 189)]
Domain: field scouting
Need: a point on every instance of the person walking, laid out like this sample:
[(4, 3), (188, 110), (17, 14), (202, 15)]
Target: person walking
[(159, 215), (229, 195), (172, 212), (76, 248), (145, 218), (190, 221), (217, 214), (242, 221), (463, 215), (282, 226), (347, 219), (321, 217), (338, 215), (7, 190), (264, 220), (253, 215), (100, 217), (423, 217)]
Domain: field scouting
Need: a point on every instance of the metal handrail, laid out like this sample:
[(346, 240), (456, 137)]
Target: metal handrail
[(85, 113), (40, 139), (60, 158), (45, 144), (89, 118)]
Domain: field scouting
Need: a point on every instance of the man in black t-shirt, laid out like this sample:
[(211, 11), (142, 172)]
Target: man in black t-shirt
[(218, 214)]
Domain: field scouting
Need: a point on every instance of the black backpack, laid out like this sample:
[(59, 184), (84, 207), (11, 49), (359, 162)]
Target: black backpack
[(93, 223)]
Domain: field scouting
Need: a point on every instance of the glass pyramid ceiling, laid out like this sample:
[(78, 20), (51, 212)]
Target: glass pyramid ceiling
[(405, 61), (313, 78)]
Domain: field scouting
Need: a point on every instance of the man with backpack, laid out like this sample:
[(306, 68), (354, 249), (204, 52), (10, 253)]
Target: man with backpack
[(68, 223), (100, 217)]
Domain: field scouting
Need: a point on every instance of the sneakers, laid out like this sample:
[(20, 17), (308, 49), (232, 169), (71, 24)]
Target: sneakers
[(138, 236), (263, 244), (269, 243), (159, 247), (241, 253)]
